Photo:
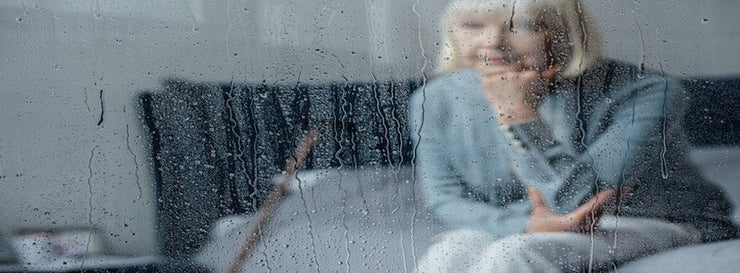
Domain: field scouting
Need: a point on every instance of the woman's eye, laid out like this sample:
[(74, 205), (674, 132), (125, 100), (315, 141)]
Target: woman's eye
[(472, 25), (526, 27)]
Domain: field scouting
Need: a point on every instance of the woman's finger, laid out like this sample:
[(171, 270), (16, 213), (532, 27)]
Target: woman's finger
[(552, 72), (535, 197), (593, 206)]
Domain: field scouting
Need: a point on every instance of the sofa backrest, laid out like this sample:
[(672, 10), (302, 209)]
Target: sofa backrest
[(712, 117)]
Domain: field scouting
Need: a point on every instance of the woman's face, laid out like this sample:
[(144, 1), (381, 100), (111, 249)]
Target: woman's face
[(490, 44)]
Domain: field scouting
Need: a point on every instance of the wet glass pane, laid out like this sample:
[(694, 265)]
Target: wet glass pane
[(164, 135)]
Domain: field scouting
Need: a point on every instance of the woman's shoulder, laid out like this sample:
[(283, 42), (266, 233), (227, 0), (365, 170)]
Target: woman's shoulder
[(463, 79)]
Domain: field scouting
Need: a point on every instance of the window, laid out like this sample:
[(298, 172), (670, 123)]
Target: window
[(146, 126)]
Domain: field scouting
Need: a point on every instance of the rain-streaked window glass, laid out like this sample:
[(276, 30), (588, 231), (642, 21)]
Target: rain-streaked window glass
[(369, 136)]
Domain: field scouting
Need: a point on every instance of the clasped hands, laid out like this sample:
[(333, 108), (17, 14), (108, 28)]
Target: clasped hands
[(582, 219)]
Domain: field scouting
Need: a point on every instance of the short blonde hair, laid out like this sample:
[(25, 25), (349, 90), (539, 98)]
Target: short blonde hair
[(578, 44)]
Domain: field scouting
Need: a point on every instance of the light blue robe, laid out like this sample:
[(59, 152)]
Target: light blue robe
[(614, 126)]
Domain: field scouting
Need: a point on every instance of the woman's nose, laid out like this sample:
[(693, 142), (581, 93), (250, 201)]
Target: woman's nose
[(495, 37)]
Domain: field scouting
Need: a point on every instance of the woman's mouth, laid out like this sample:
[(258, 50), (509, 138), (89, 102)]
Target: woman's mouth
[(495, 61)]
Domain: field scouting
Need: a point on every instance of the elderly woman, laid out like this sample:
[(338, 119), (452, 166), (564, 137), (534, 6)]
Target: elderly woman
[(543, 156)]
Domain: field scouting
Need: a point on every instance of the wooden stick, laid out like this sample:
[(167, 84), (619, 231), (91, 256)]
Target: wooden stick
[(265, 213)]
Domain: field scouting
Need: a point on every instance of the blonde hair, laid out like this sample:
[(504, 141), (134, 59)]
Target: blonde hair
[(578, 44)]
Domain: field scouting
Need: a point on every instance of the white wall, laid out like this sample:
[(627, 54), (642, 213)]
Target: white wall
[(686, 37), (58, 168)]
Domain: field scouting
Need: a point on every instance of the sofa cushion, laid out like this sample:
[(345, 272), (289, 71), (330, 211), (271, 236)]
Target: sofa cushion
[(334, 220), (721, 165)]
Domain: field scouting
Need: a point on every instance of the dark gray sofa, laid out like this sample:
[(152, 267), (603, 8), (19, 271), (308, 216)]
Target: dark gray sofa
[(217, 146)]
